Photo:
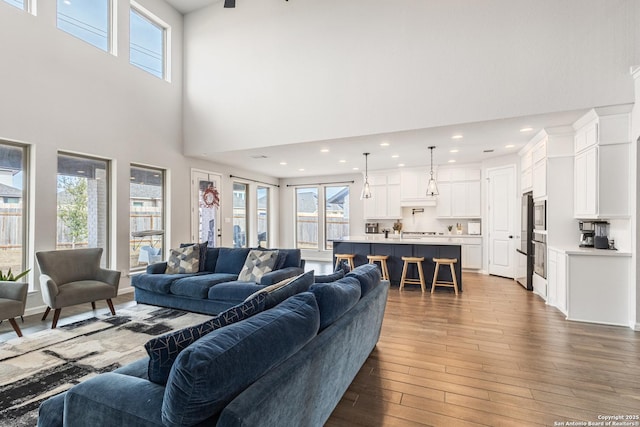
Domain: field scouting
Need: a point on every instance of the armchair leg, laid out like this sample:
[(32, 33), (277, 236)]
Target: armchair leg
[(93, 305), (15, 327), (56, 316), (110, 304), (46, 313)]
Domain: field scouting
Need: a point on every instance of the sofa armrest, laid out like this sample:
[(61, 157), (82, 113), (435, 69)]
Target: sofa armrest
[(302, 262), (157, 268), (112, 399), (278, 275), (112, 277), (16, 291)]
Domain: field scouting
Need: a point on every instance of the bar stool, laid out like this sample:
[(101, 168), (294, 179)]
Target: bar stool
[(445, 261), (412, 260), (383, 264), (345, 257)]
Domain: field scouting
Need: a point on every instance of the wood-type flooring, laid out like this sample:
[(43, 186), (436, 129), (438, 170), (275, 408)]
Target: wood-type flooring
[(496, 355)]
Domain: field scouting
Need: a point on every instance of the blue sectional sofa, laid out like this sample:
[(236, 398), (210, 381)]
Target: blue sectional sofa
[(285, 366), (214, 288)]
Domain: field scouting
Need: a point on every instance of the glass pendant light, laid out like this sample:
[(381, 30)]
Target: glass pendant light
[(366, 191), (432, 186)]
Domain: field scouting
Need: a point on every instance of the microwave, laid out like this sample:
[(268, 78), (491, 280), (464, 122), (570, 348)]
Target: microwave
[(540, 215)]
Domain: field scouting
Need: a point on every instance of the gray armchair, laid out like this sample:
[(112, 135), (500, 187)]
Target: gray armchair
[(74, 276), (13, 298)]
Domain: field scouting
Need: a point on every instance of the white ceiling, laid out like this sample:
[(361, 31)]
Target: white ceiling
[(409, 146), (187, 6)]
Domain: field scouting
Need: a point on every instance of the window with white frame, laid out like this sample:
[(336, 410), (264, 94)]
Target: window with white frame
[(310, 213), (147, 42), (83, 203), (13, 207), (239, 215), (262, 220), (146, 216), (21, 4), (88, 20)]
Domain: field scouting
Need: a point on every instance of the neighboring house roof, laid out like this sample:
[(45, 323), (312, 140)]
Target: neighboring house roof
[(307, 202), (142, 191), (9, 191)]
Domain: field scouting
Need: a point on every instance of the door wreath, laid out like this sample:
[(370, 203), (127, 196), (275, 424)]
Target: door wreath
[(210, 197)]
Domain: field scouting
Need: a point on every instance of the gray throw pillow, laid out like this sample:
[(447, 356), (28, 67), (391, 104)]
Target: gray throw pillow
[(257, 264), (184, 260)]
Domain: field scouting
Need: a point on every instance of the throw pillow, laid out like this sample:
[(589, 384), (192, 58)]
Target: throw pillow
[(257, 264), (336, 298), (184, 260), (273, 287), (164, 350), (328, 278), (293, 287), (203, 253)]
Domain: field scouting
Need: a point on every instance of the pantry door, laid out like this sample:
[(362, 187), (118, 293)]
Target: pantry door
[(501, 203), (205, 207)]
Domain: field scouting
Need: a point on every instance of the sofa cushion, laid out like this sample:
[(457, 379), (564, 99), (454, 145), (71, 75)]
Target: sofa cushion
[(257, 264), (183, 260), (292, 259), (231, 260), (198, 286), (327, 278), (211, 259), (158, 283), (234, 291), (273, 287), (215, 369), (368, 275), (299, 284), (164, 350), (335, 298)]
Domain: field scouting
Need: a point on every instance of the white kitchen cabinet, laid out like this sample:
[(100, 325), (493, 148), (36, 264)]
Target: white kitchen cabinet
[(460, 193), (539, 179), (413, 188), (472, 254), (602, 167), (526, 180), (557, 280), (385, 200)]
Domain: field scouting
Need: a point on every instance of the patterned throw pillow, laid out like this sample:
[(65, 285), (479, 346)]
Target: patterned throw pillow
[(164, 350), (257, 264), (184, 260)]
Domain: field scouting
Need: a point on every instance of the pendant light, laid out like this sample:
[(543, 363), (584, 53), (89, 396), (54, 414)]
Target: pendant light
[(366, 191), (432, 186)]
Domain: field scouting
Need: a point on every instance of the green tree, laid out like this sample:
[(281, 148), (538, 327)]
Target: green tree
[(72, 207)]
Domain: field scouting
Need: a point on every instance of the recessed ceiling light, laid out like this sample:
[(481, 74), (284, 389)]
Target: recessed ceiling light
[(452, 161), (283, 163), (400, 165), (356, 169), (384, 144), (455, 150), (324, 150), (509, 146), (458, 136), (527, 129), (301, 169), (395, 156), (342, 161)]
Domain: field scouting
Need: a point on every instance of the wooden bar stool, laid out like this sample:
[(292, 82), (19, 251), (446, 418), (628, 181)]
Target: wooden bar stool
[(383, 264), (412, 260), (345, 257), (445, 261)]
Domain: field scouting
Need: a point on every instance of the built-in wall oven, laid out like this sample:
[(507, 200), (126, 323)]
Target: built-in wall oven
[(540, 254)]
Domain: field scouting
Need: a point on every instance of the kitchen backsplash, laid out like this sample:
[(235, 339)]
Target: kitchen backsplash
[(426, 221)]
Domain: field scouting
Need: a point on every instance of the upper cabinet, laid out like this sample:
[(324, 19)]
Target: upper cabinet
[(385, 200), (413, 188), (602, 146), (460, 193)]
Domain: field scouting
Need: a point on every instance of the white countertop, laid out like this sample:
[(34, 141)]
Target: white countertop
[(395, 239), (576, 250)]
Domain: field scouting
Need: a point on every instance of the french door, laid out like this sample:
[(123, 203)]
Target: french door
[(205, 207)]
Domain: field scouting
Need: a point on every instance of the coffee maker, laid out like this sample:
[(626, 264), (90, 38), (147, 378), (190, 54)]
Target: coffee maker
[(587, 234), (371, 227), (601, 239)]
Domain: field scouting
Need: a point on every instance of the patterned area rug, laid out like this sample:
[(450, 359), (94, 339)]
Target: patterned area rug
[(48, 362)]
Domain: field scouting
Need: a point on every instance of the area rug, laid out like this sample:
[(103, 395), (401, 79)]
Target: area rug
[(49, 362)]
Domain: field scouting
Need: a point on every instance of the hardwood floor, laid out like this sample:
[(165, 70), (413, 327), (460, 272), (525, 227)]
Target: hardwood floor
[(495, 355)]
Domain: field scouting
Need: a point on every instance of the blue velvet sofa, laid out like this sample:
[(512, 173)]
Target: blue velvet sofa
[(215, 287), (285, 366)]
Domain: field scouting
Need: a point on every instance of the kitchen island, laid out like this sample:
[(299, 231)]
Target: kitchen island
[(396, 248)]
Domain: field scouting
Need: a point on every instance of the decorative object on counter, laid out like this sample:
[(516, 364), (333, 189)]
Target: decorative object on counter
[(366, 191), (449, 228), (432, 186), (458, 228), (397, 227), (386, 233)]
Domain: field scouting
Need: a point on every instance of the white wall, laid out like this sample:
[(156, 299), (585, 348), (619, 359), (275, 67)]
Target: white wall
[(314, 70), (60, 93)]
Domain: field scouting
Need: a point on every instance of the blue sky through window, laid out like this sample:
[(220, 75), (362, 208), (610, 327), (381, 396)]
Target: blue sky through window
[(146, 44), (16, 3), (87, 20)]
